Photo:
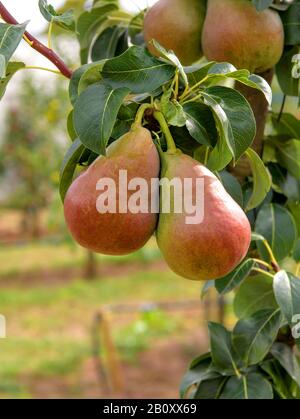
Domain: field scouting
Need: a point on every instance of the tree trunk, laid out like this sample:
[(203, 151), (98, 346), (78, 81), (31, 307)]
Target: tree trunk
[(30, 223), (260, 109), (91, 266)]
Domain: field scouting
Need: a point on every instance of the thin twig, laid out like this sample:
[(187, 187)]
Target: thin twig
[(33, 67), (37, 45), (261, 271), (282, 108)]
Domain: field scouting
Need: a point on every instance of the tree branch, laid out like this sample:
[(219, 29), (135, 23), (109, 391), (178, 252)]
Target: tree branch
[(37, 45)]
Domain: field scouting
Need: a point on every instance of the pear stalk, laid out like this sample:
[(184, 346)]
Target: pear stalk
[(140, 115), (172, 149)]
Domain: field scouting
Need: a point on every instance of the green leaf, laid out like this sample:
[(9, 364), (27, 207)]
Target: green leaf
[(70, 126), (11, 70), (289, 156), (294, 208), (135, 28), (95, 114), (105, 46), (183, 140), (172, 110), (290, 187), (2, 67), (90, 76), (277, 225), (223, 153), (254, 336), (222, 353), (261, 180), (288, 84), (287, 293), (235, 278), (137, 70), (291, 24), (123, 43), (69, 166), (197, 72), (269, 153), (261, 85), (288, 125), (196, 375), (236, 125), (223, 71), (232, 186), (171, 58), (210, 389), (296, 254), (100, 3), (89, 23), (121, 128), (74, 82), (128, 111), (255, 294), (87, 158), (250, 387), (198, 118), (200, 359), (287, 359), (10, 37), (273, 369), (64, 20)]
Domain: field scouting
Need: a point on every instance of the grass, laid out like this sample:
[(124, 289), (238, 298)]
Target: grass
[(42, 256), (49, 327)]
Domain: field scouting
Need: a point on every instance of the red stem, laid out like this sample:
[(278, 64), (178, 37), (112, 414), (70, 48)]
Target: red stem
[(37, 45)]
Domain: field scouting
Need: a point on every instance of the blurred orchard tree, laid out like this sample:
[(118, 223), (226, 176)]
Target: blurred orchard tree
[(29, 136), (33, 139)]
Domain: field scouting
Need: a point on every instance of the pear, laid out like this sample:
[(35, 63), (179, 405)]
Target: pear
[(176, 25), (213, 247), (234, 31), (114, 233)]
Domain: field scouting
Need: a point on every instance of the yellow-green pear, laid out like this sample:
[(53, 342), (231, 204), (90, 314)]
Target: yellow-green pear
[(114, 233), (212, 247), (177, 25), (234, 31)]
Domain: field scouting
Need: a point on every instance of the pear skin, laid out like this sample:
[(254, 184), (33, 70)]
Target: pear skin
[(213, 248), (117, 233), (177, 25), (234, 31)]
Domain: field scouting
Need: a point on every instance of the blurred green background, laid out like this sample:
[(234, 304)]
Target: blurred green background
[(52, 291)]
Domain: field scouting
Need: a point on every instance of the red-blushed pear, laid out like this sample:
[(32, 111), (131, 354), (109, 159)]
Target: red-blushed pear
[(176, 25), (234, 31), (212, 248), (114, 233)]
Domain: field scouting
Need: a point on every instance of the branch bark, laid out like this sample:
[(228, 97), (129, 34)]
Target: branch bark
[(260, 109), (37, 45)]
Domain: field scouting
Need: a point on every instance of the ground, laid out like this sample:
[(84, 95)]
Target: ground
[(54, 348), (48, 352), (51, 351)]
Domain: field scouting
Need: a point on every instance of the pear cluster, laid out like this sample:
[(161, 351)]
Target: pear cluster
[(208, 250), (222, 30)]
